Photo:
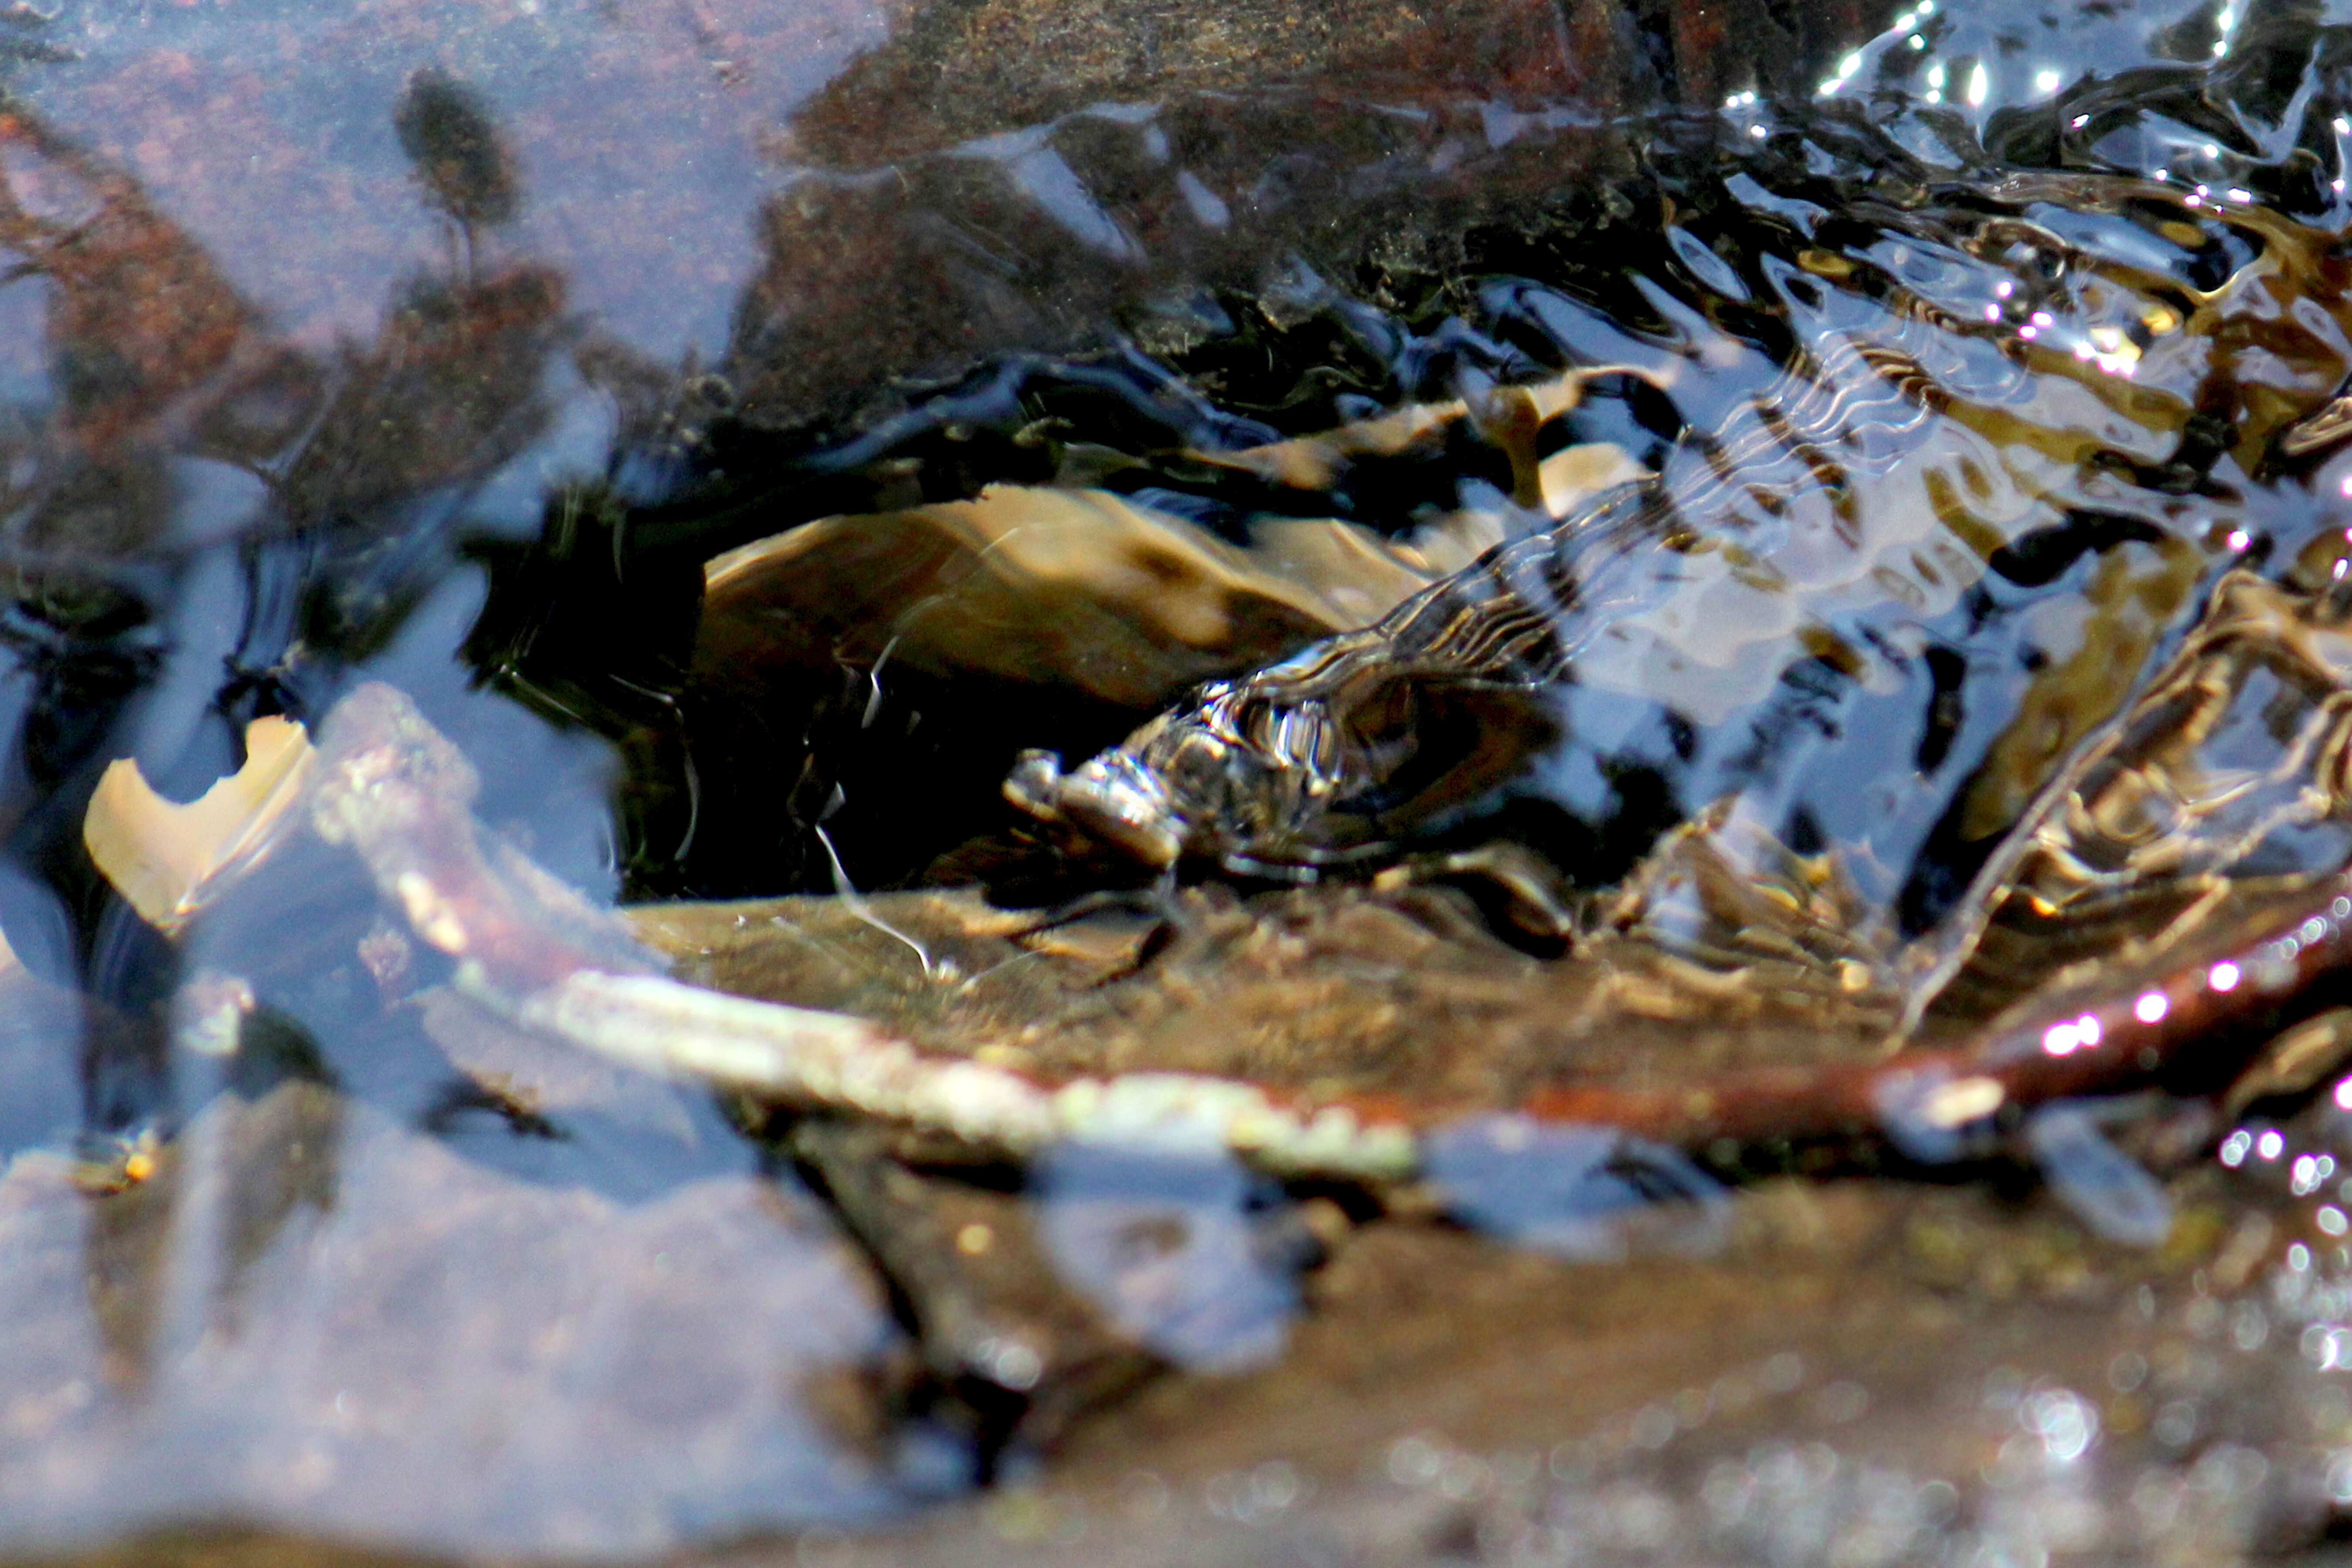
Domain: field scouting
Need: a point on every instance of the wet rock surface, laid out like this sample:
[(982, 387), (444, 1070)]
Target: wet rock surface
[(391, 1323)]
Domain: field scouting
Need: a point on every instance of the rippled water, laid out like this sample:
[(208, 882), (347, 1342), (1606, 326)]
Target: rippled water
[(1869, 406)]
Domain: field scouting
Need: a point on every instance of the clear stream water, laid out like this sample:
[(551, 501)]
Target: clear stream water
[(441, 343)]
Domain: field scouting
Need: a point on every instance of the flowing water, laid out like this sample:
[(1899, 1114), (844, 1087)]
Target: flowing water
[(1733, 539)]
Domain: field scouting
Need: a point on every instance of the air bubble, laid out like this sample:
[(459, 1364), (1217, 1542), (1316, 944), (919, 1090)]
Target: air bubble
[(1575, 1191), (1181, 1253), (2106, 1190)]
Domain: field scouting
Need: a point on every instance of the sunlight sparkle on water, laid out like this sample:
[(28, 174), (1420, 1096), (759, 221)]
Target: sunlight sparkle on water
[(2078, 1035)]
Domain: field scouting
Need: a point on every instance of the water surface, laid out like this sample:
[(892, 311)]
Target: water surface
[(442, 345)]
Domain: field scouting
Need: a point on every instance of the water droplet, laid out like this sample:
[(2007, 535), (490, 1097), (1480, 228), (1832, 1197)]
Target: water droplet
[(1935, 1118)]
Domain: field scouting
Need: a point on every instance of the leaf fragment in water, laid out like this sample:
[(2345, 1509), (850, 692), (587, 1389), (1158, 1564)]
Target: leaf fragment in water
[(167, 858)]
